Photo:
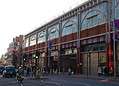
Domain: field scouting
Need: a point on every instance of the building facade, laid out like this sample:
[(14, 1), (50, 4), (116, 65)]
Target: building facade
[(81, 39)]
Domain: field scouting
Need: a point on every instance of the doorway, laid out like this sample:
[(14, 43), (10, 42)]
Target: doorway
[(90, 63)]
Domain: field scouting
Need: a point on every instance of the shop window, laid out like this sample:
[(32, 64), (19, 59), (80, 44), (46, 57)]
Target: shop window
[(102, 58), (102, 38), (74, 44), (75, 51), (89, 41), (102, 47), (83, 42), (96, 47), (68, 51), (95, 40), (93, 47)]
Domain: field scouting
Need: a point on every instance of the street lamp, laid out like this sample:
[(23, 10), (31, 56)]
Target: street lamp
[(36, 57)]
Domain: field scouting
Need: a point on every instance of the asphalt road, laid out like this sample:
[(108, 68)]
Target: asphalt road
[(26, 82), (69, 81), (58, 81)]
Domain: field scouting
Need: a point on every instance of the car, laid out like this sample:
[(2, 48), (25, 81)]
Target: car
[(2, 68), (10, 71)]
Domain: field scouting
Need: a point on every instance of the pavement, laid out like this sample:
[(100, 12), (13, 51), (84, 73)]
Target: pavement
[(96, 77), (62, 80), (80, 80)]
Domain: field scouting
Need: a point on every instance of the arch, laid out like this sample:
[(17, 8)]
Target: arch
[(42, 36), (97, 10), (56, 29), (116, 3), (66, 24)]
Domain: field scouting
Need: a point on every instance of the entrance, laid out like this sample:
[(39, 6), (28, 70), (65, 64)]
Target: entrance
[(90, 63), (68, 62), (94, 63)]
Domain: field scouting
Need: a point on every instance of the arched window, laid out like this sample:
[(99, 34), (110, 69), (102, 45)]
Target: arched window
[(69, 27), (26, 42), (53, 32), (94, 16), (33, 40), (42, 36), (92, 19), (117, 9)]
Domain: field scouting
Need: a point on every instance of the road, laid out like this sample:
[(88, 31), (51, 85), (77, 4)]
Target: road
[(58, 81), (69, 81), (26, 82)]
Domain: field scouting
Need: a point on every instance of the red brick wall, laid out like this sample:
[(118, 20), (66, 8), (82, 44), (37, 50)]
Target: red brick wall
[(70, 37), (41, 45), (93, 31)]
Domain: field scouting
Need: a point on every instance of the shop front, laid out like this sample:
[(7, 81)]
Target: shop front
[(93, 56), (53, 58), (91, 62), (68, 57)]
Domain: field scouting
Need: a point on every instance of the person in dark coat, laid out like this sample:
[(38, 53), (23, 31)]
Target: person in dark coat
[(28, 71), (105, 71)]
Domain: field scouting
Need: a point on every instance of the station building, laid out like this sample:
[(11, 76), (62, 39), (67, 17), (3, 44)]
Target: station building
[(81, 39)]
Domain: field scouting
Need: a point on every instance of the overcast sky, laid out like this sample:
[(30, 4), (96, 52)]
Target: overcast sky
[(23, 16)]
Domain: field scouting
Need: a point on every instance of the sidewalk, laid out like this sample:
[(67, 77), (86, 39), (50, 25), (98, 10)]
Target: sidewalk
[(96, 77)]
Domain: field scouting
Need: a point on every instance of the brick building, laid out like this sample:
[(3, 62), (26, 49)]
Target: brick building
[(81, 39)]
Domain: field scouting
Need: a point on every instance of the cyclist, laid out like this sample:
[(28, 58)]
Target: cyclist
[(19, 77)]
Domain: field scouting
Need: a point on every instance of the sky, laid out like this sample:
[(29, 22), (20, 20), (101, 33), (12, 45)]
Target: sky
[(19, 17)]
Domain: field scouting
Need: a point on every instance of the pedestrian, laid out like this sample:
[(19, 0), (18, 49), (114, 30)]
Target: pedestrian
[(69, 71), (20, 71), (105, 71), (33, 71), (99, 70), (28, 71)]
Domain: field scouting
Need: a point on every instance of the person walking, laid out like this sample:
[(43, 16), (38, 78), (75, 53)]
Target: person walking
[(33, 71), (19, 76), (99, 70), (105, 71), (69, 71), (28, 71)]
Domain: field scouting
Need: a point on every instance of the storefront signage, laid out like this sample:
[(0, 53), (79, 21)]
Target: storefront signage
[(54, 53), (68, 51), (116, 23)]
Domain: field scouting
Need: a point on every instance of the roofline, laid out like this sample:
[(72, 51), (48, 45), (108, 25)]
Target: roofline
[(59, 18)]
